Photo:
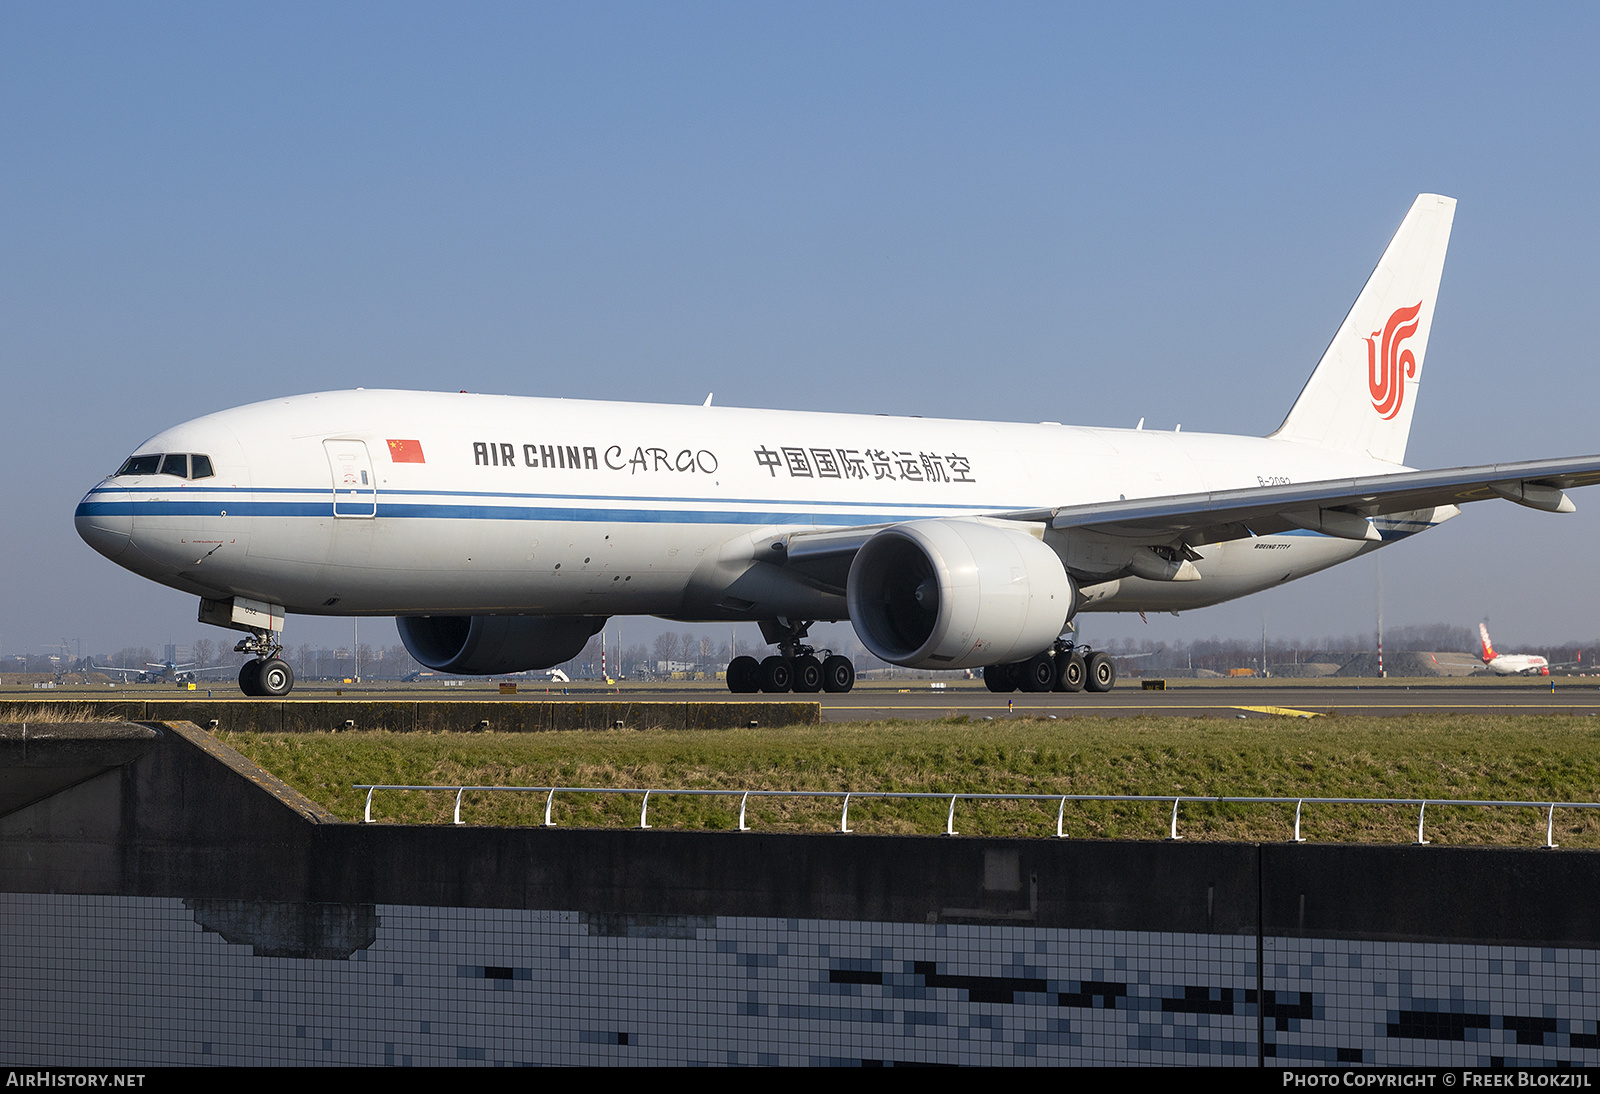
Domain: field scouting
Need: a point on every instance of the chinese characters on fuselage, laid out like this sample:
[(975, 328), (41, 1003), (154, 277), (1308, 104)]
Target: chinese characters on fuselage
[(862, 464), (868, 464)]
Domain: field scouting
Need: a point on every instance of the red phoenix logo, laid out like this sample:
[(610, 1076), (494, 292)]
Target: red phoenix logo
[(1386, 363)]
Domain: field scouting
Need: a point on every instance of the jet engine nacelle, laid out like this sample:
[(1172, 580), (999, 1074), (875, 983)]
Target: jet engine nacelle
[(483, 645), (957, 594)]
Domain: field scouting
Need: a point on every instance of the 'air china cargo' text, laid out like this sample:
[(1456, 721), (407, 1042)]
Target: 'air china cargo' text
[(574, 457)]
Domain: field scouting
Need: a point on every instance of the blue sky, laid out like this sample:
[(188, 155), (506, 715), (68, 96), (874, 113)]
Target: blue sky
[(1018, 211)]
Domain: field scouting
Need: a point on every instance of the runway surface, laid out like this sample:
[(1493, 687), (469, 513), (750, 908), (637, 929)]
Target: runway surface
[(875, 702), (1235, 702)]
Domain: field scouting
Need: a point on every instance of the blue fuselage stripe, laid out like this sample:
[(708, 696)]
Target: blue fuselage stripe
[(320, 503), (237, 507), (221, 493)]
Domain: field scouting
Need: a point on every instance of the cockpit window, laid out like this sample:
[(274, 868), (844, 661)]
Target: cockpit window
[(182, 465), (141, 465)]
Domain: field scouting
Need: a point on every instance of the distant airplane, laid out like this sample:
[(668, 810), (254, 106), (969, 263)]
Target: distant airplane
[(1516, 664), (164, 672), (505, 531)]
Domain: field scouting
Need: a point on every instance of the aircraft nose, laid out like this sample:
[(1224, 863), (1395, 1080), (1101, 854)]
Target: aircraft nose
[(105, 519)]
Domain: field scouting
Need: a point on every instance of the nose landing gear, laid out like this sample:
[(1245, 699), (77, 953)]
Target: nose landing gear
[(268, 676)]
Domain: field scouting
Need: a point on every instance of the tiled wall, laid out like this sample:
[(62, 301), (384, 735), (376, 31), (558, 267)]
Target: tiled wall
[(137, 982), (1430, 1005)]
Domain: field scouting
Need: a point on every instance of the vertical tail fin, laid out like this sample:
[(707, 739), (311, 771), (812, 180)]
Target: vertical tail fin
[(1488, 648), (1364, 390)]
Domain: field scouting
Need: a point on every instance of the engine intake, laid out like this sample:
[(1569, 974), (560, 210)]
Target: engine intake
[(956, 594), (482, 645)]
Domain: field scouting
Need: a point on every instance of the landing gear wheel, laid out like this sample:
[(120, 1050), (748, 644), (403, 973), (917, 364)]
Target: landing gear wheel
[(274, 677), (807, 674), (250, 678), (1102, 673), (997, 678), (1073, 673), (1037, 673), (838, 674), (744, 675), (777, 674)]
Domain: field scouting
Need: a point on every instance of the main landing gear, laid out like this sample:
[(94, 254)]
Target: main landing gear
[(1062, 667), (795, 667), (269, 675)]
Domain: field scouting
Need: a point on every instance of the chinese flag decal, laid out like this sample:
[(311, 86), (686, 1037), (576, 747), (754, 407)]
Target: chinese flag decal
[(406, 452)]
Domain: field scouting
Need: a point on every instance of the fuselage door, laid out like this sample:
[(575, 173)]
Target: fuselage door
[(355, 489)]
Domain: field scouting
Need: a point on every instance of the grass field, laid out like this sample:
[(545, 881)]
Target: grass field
[(1536, 758)]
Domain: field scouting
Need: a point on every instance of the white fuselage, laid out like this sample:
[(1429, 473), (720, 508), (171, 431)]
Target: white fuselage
[(1518, 664), (394, 502)]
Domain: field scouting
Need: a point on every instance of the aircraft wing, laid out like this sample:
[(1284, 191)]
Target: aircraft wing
[(212, 668), (156, 669), (1338, 507), (825, 556)]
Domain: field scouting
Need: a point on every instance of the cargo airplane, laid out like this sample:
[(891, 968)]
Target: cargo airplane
[(504, 531)]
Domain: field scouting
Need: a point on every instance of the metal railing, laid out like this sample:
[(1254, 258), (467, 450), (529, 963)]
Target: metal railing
[(1177, 800)]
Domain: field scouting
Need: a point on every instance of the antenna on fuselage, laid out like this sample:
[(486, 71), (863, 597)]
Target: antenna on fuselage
[(708, 398)]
